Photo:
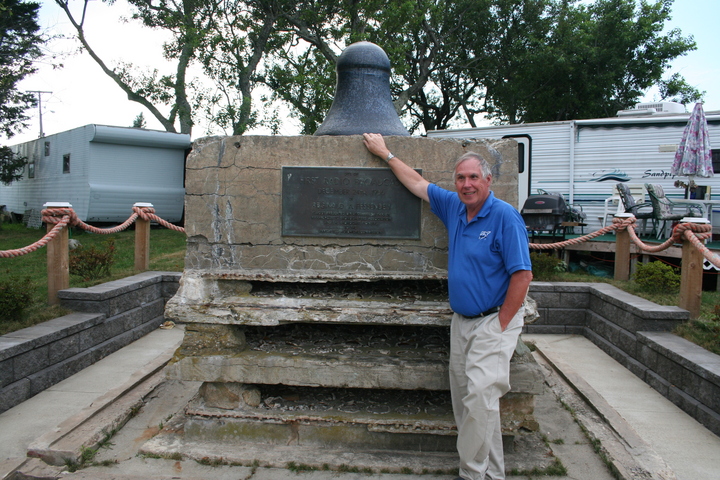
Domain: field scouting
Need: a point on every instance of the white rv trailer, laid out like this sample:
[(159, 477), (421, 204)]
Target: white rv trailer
[(585, 159), (102, 171)]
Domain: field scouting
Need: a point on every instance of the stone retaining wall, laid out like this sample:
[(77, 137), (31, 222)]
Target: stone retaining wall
[(636, 333), (106, 318)]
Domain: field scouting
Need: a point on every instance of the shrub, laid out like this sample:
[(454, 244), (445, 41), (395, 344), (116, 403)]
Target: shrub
[(657, 277), (92, 263), (545, 266), (15, 296)]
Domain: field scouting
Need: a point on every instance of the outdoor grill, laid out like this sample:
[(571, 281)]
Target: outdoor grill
[(544, 213)]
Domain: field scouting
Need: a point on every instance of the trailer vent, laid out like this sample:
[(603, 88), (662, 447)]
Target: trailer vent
[(654, 108)]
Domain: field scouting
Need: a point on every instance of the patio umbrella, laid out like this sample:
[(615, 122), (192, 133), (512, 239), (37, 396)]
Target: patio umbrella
[(693, 157)]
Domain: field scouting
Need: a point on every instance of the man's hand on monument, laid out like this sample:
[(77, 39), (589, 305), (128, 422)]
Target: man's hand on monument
[(375, 144)]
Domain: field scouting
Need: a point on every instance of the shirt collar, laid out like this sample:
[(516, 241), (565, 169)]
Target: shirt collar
[(484, 211)]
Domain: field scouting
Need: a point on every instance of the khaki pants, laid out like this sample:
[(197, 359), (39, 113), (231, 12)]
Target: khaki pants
[(479, 375)]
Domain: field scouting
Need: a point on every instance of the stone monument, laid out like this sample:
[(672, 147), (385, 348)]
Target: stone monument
[(315, 307)]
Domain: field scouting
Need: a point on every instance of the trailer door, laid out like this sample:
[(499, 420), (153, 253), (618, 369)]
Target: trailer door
[(524, 165)]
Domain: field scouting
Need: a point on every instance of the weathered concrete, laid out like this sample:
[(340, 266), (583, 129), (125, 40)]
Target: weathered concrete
[(245, 278)]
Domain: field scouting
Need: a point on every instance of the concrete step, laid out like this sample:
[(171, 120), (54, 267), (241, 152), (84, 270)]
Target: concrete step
[(328, 417), (410, 302), (332, 356)]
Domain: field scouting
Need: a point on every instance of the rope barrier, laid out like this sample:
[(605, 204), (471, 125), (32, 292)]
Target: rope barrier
[(62, 223), (617, 222), (695, 233), (62, 217)]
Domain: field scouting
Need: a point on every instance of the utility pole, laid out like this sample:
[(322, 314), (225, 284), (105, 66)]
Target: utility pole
[(39, 95)]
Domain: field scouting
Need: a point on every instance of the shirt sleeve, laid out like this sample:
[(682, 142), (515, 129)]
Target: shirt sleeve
[(516, 249)]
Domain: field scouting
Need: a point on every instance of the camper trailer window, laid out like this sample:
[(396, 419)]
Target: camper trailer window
[(31, 170), (47, 149), (66, 163), (716, 160)]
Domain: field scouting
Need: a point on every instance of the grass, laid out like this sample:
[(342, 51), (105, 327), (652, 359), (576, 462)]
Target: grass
[(167, 253)]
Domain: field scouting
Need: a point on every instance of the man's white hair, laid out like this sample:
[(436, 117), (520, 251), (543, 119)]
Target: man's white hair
[(484, 167)]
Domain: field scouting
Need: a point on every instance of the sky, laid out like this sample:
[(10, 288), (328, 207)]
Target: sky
[(79, 93)]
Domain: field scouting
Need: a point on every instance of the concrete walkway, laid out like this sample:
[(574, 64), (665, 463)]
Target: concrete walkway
[(638, 429), (691, 450)]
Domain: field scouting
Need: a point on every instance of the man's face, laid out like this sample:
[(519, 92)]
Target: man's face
[(471, 186)]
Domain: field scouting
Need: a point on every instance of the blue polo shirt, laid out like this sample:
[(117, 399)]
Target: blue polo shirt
[(482, 253)]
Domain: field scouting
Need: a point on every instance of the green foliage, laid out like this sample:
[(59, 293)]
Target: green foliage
[(11, 166), (19, 47), (545, 266), (657, 277), (139, 121), (94, 262), (676, 89), (591, 60), (703, 332), (15, 296), (514, 60)]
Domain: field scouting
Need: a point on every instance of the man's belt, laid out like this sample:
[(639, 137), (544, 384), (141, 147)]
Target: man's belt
[(487, 312)]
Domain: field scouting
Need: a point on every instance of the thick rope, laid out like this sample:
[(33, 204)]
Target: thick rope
[(617, 222), (695, 233), (61, 223), (62, 217)]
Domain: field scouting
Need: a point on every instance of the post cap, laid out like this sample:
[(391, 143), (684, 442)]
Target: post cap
[(142, 204), (624, 215), (57, 205), (694, 220)]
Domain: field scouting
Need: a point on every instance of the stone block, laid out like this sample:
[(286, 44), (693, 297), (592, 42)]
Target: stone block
[(31, 362), (546, 299), (574, 300), (684, 401), (204, 339), (7, 375), (709, 418), (64, 348), (627, 342), (657, 382), (153, 309), (14, 394), (647, 355), (669, 370), (95, 336), (566, 316), (545, 329)]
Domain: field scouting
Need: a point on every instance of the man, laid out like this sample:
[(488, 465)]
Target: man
[(489, 273)]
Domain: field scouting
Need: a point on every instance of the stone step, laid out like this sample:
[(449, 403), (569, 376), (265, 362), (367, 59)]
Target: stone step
[(331, 429), (349, 356), (332, 356), (384, 302)]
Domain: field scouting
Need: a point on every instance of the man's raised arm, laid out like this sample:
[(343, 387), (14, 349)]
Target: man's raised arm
[(412, 180)]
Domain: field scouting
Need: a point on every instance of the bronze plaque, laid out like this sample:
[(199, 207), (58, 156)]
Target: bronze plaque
[(347, 202)]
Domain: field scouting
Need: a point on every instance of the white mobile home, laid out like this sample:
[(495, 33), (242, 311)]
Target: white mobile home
[(102, 171), (584, 159)]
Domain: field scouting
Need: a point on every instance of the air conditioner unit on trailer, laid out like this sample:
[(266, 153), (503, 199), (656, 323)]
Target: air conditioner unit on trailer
[(662, 107), (653, 108)]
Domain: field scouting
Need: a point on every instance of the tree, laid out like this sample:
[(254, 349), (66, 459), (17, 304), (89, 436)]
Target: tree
[(453, 60), (19, 48), (187, 20), (676, 89), (597, 59), (139, 121), (11, 166)]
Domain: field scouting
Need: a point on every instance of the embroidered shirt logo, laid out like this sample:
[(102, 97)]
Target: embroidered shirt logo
[(484, 234)]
